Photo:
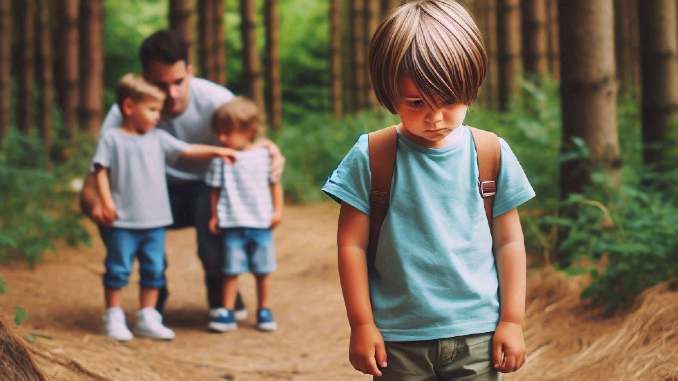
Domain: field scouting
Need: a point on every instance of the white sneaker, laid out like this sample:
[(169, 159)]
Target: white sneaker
[(149, 324), (115, 326), (240, 315)]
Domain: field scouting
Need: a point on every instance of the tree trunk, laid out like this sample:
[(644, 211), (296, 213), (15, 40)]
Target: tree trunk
[(335, 57), (659, 48), (553, 39), (5, 66), (205, 39), (181, 19), (535, 39), (486, 18), (626, 45), (273, 90), (508, 43), (218, 46), (588, 91), (359, 72), (69, 42), (25, 55), (45, 73), (92, 67), (251, 61), (372, 14)]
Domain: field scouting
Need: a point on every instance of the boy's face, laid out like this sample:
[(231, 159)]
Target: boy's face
[(142, 115), (236, 139), (423, 124), (173, 80)]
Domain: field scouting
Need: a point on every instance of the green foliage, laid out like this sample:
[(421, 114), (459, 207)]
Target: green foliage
[(38, 205), (20, 315), (3, 286), (314, 147)]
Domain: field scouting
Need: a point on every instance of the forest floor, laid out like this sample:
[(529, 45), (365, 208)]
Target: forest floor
[(63, 297)]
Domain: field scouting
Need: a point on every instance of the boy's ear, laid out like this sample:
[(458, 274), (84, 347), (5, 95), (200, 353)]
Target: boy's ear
[(127, 106)]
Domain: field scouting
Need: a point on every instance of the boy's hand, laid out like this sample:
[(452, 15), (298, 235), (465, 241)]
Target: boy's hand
[(276, 219), (367, 351), (508, 347), (214, 225), (108, 213), (227, 154)]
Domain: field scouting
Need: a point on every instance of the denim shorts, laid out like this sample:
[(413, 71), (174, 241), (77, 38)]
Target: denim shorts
[(248, 250), (455, 358), (123, 245)]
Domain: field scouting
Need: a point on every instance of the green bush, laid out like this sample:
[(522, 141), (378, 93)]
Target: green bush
[(39, 206)]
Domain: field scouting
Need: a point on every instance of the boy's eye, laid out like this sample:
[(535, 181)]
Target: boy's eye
[(415, 103)]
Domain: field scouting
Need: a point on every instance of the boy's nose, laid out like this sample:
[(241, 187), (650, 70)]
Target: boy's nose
[(435, 115)]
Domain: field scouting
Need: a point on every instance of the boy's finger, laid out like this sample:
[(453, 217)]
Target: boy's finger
[(380, 355), (497, 355), (510, 365), (372, 367)]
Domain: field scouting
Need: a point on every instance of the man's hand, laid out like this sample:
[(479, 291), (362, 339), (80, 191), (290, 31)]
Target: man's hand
[(108, 214), (508, 347), (214, 225), (228, 154), (277, 159), (367, 351)]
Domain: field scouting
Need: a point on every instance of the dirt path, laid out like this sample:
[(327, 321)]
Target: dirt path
[(63, 297)]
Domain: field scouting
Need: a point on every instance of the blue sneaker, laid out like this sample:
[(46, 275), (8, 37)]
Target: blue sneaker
[(265, 321), (223, 321)]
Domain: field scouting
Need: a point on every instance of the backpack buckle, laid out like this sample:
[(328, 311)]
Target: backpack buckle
[(487, 188)]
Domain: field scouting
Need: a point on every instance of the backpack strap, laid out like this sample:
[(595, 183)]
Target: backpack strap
[(488, 154), (382, 145)]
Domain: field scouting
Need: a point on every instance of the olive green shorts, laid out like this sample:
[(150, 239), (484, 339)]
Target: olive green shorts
[(457, 358)]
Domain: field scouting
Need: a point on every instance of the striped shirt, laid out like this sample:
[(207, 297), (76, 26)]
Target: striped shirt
[(245, 194)]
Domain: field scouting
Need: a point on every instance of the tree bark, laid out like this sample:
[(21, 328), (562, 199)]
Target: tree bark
[(335, 58), (25, 56), (92, 66), (535, 39), (486, 18), (588, 92), (5, 66), (45, 73), (372, 14), (508, 43), (181, 19), (659, 62), (206, 39), (218, 46), (251, 60), (553, 39), (359, 72), (273, 90), (69, 45), (626, 45)]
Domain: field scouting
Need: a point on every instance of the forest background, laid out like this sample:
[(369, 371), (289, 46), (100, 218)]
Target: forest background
[(605, 169)]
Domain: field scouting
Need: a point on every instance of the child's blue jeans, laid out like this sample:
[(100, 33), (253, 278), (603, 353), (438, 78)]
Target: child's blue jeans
[(123, 245), (248, 250)]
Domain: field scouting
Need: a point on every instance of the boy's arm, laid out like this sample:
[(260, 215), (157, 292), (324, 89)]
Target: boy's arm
[(214, 219), (278, 201), (367, 346), (103, 190), (277, 159), (508, 345), (90, 205), (203, 152)]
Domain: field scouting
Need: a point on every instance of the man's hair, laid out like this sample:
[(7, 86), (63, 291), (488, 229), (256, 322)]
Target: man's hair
[(136, 88), (164, 46), (238, 114), (437, 44)]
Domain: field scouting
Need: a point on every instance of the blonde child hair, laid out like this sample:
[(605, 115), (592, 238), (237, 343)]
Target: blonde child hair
[(238, 114), (135, 87)]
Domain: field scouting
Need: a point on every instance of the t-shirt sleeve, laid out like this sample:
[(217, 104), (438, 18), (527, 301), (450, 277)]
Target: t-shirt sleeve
[(350, 182), (214, 175), (513, 187), (104, 152), (171, 146)]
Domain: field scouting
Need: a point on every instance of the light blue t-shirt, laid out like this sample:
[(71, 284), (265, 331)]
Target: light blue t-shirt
[(192, 126), (136, 165), (244, 189), (435, 274)]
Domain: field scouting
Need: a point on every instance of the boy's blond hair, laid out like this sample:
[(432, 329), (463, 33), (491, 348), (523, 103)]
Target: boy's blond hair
[(238, 114), (436, 43), (136, 88)]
